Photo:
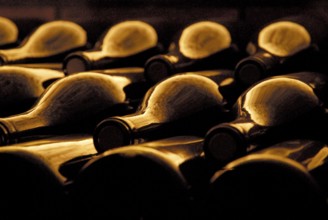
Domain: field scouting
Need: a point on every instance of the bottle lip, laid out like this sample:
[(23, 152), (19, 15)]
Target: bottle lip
[(249, 71), (112, 133), (75, 63), (3, 59), (158, 68), (223, 144)]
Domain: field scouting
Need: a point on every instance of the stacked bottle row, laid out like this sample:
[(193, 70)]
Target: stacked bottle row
[(157, 121)]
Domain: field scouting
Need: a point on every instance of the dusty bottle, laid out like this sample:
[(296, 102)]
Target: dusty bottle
[(152, 180), (276, 178), (47, 45), (202, 45), (126, 44), (33, 181), (289, 44), (273, 110), (135, 90), (21, 87), (8, 32), (185, 104), (73, 104)]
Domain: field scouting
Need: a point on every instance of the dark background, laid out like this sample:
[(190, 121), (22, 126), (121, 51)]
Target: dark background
[(95, 15)]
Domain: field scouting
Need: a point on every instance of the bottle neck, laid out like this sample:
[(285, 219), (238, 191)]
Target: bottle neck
[(255, 67)]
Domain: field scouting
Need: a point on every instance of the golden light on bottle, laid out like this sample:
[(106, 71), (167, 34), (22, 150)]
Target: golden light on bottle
[(298, 95), (284, 38), (203, 39), (8, 31), (49, 39), (122, 40)]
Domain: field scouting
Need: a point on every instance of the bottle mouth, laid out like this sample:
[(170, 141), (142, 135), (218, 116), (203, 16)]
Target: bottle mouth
[(157, 69), (111, 133), (76, 64), (2, 59), (249, 71), (223, 145)]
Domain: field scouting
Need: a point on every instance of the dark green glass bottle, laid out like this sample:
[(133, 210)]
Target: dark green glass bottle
[(273, 110), (22, 86), (185, 104), (47, 45)]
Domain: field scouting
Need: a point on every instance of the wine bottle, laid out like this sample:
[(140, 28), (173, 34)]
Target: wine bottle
[(125, 44), (152, 180), (202, 45), (73, 104), (273, 110), (185, 104), (33, 181), (289, 44), (8, 34), (49, 43), (277, 178), (21, 87)]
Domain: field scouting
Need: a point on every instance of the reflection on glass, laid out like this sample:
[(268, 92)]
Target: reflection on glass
[(274, 109), (21, 87), (126, 44), (203, 45), (284, 38), (8, 32), (49, 43), (289, 44)]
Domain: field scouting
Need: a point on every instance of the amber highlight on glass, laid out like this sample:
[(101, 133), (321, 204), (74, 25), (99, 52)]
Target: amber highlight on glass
[(274, 183), (203, 45), (48, 43), (73, 104), (275, 109), (138, 86), (289, 44), (33, 181), (21, 87), (126, 44), (185, 104), (8, 33), (152, 180)]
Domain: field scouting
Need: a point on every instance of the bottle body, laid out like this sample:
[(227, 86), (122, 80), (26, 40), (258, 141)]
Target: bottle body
[(153, 180), (9, 33), (24, 86)]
